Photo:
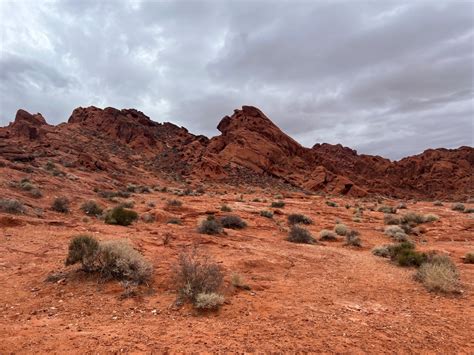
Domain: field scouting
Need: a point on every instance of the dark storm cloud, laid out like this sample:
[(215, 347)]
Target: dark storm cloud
[(387, 78)]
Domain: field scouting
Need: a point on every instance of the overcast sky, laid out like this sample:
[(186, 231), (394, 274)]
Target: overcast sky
[(384, 77)]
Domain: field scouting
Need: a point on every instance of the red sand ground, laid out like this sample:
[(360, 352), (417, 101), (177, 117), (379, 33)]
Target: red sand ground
[(318, 298)]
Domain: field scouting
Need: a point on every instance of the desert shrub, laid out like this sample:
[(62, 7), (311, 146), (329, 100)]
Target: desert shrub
[(50, 166), (356, 219), (341, 229), (11, 206), (394, 249), (119, 260), (469, 258), (174, 220), (404, 254), (412, 218), (121, 216), (458, 207), (36, 193), (60, 204), (431, 218), (111, 194), (296, 218), (278, 204), (402, 206), (210, 226), (256, 200), (26, 185), (237, 281), (209, 301), (387, 209), (327, 235), (437, 203), (174, 203), (396, 233), (331, 203), (300, 235), (390, 219), (233, 222), (194, 274), (266, 214), (353, 239), (226, 208), (83, 249), (382, 251), (148, 217), (469, 210), (127, 204), (439, 274), (91, 208)]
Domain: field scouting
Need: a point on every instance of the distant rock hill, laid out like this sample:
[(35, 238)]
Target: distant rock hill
[(250, 150)]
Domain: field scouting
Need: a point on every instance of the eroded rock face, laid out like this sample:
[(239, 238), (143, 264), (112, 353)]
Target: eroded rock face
[(251, 148)]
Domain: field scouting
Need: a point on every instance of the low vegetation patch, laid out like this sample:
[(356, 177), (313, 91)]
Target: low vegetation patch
[(431, 218), (439, 274), (266, 214), (60, 204), (437, 203), (175, 220), (238, 282), (382, 251), (198, 279), (296, 218), (210, 226), (120, 216), (92, 208), (111, 259), (390, 219), (327, 235), (396, 233), (233, 222), (404, 254), (353, 238), (148, 218), (458, 207), (11, 206), (341, 229), (174, 203), (278, 204), (331, 203), (300, 235), (469, 258), (226, 208), (387, 209)]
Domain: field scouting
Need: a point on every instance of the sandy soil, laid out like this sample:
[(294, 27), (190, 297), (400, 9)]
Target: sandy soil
[(303, 298)]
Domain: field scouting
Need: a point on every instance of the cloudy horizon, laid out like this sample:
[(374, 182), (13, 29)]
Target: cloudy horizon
[(390, 78)]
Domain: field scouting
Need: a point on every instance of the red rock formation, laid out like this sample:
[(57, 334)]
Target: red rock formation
[(250, 149)]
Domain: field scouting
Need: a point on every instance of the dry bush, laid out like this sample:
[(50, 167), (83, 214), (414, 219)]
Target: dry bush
[(119, 260), (210, 226), (412, 218), (469, 258), (382, 251), (458, 207), (174, 203), (278, 204), (353, 239), (11, 206), (83, 249), (331, 203), (92, 208), (266, 214), (194, 274), (148, 218), (439, 274), (396, 233), (341, 229), (431, 218), (121, 216), (300, 235), (404, 254), (209, 301), (390, 219), (437, 203), (233, 222), (327, 235), (174, 220), (238, 282), (297, 218), (60, 204), (226, 208), (387, 209)]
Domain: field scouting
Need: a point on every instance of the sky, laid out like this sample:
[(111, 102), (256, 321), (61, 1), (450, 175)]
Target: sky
[(389, 78)]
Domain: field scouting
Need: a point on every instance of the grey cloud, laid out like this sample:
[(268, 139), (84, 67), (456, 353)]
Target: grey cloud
[(362, 73)]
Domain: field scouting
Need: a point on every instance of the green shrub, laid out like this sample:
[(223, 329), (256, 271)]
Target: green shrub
[(296, 218), (60, 204), (83, 249), (341, 229), (121, 216), (11, 206), (278, 204), (387, 209), (195, 274), (92, 208), (331, 203), (327, 235), (266, 214), (233, 222), (353, 239), (390, 219), (404, 254), (300, 235), (119, 260), (458, 207), (469, 258), (226, 208), (439, 274), (210, 226), (394, 249)]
